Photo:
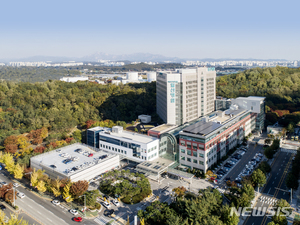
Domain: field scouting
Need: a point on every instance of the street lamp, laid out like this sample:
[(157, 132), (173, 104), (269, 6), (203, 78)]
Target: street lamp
[(84, 204)]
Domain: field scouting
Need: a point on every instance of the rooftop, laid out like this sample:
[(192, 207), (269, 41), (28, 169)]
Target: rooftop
[(79, 156), (213, 121), (256, 98), (130, 135), (163, 127)]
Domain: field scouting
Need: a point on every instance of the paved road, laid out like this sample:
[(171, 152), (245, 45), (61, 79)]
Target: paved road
[(42, 210), (280, 167), (8, 212)]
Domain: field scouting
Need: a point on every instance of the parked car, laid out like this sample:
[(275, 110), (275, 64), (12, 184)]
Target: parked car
[(115, 202), (109, 212), (2, 207), (16, 184), (73, 211), (106, 205)]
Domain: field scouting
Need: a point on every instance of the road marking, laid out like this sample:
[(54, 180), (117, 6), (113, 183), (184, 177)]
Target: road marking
[(49, 219), (39, 212), (269, 190), (30, 206)]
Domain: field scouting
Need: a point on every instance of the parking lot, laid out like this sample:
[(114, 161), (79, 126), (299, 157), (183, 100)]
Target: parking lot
[(241, 163)]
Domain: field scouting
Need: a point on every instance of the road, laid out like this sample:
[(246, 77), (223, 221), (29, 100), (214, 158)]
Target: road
[(42, 210), (8, 212), (274, 188)]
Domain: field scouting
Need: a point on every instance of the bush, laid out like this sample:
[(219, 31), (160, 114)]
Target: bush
[(98, 205), (137, 199), (126, 200)]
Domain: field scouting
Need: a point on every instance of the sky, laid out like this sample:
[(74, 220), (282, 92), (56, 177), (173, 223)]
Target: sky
[(199, 29)]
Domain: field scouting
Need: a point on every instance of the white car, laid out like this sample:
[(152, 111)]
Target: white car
[(21, 195), (106, 205), (16, 185), (115, 202), (73, 211), (55, 202)]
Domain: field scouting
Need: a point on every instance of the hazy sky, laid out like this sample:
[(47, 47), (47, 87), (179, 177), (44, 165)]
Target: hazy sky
[(186, 29)]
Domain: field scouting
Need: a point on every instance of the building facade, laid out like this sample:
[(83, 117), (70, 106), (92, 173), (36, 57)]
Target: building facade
[(202, 144), (185, 94), (256, 105), (129, 145)]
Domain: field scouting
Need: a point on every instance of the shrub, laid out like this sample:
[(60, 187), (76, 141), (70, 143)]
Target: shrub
[(97, 206), (126, 200), (137, 198)]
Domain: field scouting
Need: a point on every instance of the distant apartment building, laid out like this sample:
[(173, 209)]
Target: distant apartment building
[(185, 94), (73, 79)]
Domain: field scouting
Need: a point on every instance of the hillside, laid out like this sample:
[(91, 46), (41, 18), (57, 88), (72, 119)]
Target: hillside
[(280, 86)]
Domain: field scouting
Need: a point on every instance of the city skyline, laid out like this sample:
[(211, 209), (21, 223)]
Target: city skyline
[(196, 29)]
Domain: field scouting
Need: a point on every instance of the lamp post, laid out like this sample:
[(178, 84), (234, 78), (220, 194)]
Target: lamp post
[(84, 204)]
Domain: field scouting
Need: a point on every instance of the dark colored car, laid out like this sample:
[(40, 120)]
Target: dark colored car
[(77, 219), (2, 207), (109, 212)]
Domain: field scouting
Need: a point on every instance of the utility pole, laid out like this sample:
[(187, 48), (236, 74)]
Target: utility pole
[(84, 205), (291, 195)]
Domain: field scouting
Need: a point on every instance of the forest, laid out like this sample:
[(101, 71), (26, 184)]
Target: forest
[(280, 86), (35, 74), (60, 106)]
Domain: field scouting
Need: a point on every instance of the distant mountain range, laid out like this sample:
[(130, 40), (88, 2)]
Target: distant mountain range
[(140, 57)]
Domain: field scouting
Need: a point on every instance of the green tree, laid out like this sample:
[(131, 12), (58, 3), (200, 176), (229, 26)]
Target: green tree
[(77, 135), (292, 181), (258, 178)]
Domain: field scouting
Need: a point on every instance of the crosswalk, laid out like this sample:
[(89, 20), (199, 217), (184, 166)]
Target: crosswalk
[(104, 220), (268, 200)]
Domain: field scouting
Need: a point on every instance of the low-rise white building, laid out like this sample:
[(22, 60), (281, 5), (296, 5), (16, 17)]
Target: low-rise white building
[(130, 145), (75, 162)]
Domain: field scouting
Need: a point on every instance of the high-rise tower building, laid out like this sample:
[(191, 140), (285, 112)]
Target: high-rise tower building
[(185, 94)]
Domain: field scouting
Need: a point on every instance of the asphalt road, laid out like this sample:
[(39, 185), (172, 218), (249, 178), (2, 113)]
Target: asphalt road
[(42, 210), (274, 188), (8, 212)]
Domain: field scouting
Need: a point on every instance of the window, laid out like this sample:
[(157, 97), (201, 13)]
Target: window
[(201, 155), (182, 142), (195, 153), (182, 158), (113, 148), (121, 151), (126, 153), (189, 152), (182, 150), (194, 160), (201, 163), (100, 145), (188, 159), (118, 150), (188, 145), (194, 146)]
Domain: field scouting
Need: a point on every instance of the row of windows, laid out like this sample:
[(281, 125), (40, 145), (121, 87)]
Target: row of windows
[(194, 160), (114, 149), (194, 153)]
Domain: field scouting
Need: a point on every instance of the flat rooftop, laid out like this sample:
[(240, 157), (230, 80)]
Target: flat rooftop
[(256, 98), (130, 135), (214, 121), (156, 166), (82, 159), (163, 127)]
